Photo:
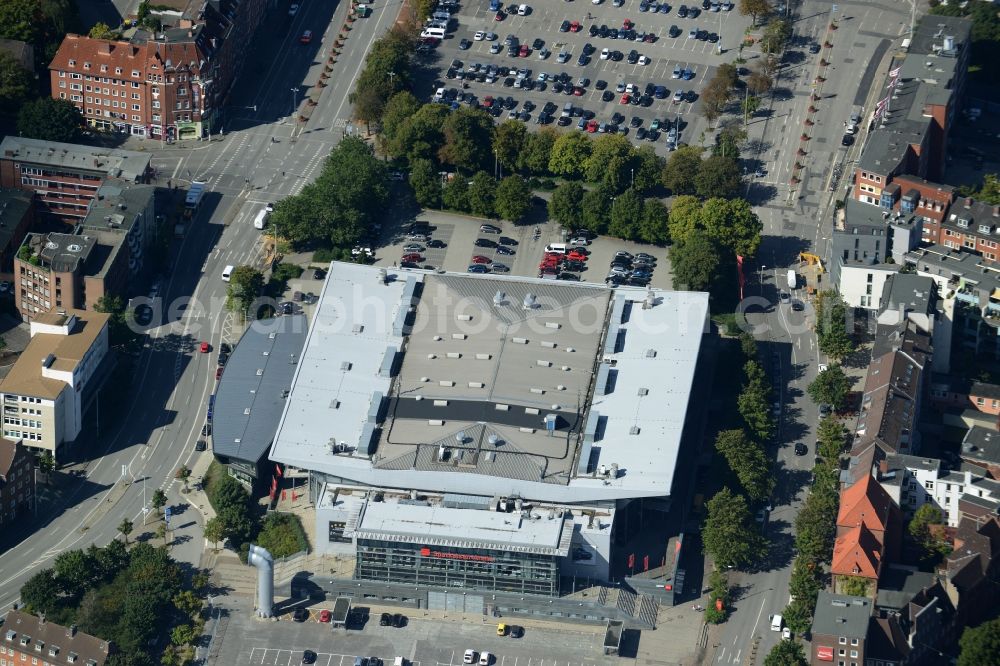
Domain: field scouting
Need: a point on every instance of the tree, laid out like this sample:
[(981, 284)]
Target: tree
[(467, 133), (508, 142), (423, 9), (752, 404), (182, 474), (749, 462), (759, 82), (714, 97), (727, 535), (537, 151), (513, 197), (118, 323), (728, 140), (399, 109), (182, 634), (694, 262), (215, 531), (456, 193), (831, 317), (419, 135), (980, 645), (786, 653), (482, 195), (596, 208), (733, 224), (569, 155), (754, 8), (609, 161), (46, 463), (684, 218), (718, 176), (103, 31), (855, 586), (831, 387), (933, 546), (426, 183), (41, 593), (566, 205), (647, 169), (15, 85), (369, 105), (681, 170), (125, 528), (159, 500), (803, 582), (74, 572), (719, 594), (816, 524), (21, 20), (654, 226), (161, 533), (830, 438), (50, 119), (626, 215), (775, 35), (748, 345), (245, 285), (798, 614)]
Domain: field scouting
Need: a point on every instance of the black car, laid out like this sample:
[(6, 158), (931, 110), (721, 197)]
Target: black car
[(633, 57), (225, 348), (645, 101), (374, 661), (682, 11), (537, 44), (515, 631), (300, 615), (814, 48), (801, 449), (385, 620), (485, 242), (617, 118), (528, 106), (503, 249), (635, 122), (607, 96), (399, 621), (436, 243), (564, 121), (583, 60), (640, 133), (489, 228), (588, 48), (649, 89), (319, 274), (593, 30), (568, 276), (798, 306), (564, 27), (847, 140), (713, 37), (600, 84), (464, 44), (206, 430), (575, 266), (200, 446), (308, 657)]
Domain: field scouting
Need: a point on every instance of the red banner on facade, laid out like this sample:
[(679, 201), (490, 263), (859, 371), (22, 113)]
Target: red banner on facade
[(824, 653), (631, 560)]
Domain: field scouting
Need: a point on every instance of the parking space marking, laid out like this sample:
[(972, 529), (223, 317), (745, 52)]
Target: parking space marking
[(264, 654)]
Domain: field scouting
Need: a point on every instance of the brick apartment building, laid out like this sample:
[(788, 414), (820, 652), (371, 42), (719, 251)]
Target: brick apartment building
[(17, 481), (30, 639), (840, 630), (17, 214), (65, 177), (171, 84)]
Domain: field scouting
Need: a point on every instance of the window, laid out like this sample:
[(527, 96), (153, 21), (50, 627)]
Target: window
[(929, 485), (842, 652), (854, 654), (843, 640), (854, 641), (980, 401)]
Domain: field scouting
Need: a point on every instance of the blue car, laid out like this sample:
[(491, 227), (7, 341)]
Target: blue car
[(478, 268), (660, 92), (688, 74)]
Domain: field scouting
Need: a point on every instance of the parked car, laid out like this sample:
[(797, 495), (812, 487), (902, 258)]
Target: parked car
[(489, 228)]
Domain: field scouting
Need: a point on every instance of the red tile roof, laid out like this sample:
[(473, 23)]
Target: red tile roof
[(857, 553), (97, 52), (867, 503)]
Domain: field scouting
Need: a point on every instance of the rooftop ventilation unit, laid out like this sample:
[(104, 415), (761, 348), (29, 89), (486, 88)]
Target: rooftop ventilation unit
[(383, 276), (494, 439), (530, 302), (644, 391), (949, 43), (650, 300), (460, 437), (499, 298)]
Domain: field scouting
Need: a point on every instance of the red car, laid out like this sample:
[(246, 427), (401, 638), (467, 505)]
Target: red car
[(204, 348), (324, 616), (480, 259), (306, 37), (412, 256), (626, 98), (488, 101), (218, 373), (577, 256), (499, 16), (578, 91), (627, 24), (592, 126), (574, 26), (524, 51)]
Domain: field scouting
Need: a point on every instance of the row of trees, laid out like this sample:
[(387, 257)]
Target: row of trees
[(386, 72), (480, 195), (831, 318), (816, 526), (342, 205), (628, 215), (130, 597), (707, 236), (830, 387)]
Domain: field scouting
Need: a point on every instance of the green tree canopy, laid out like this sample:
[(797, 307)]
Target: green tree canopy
[(399, 110), (467, 134), (103, 31), (426, 183), (753, 9), (719, 176), (16, 85), (681, 170), (654, 226), (509, 139), (733, 224), (245, 285), (21, 20), (482, 195), (685, 218), (694, 262), (749, 462), (537, 151), (831, 318), (596, 207), (626, 215), (566, 205), (610, 155), (215, 530), (786, 653), (41, 593), (647, 169), (513, 197), (830, 386), (456, 193), (569, 155), (980, 645), (50, 120), (728, 535)]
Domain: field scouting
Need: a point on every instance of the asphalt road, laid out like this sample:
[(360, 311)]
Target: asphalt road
[(173, 380)]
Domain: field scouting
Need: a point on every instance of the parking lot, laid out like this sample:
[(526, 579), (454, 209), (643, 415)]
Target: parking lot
[(459, 233), (543, 22)]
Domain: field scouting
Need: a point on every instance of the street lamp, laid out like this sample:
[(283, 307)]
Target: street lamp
[(392, 79), (295, 93)]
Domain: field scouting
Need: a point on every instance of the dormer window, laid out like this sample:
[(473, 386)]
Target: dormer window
[(984, 228), (53, 650), (962, 222), (86, 65), (118, 70)]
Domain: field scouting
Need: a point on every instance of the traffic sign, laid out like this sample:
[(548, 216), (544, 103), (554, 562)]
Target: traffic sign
[(166, 515)]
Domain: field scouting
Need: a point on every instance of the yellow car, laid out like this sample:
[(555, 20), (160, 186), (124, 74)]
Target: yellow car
[(501, 629)]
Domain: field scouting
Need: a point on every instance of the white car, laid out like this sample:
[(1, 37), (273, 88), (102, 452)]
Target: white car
[(293, 10), (543, 53), (597, 2), (786, 634), (643, 60), (605, 53), (470, 657), (480, 35)]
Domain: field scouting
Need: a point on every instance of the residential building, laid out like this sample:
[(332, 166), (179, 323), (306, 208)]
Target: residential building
[(972, 569), (456, 398), (954, 393), (859, 263), (914, 633), (840, 630), (965, 493), (16, 217), (27, 638), (981, 448), (65, 177), (167, 85), (44, 393), (972, 226), (869, 532), (17, 482), (909, 480), (107, 254)]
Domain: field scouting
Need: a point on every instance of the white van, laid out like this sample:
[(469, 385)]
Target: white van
[(261, 220), (776, 622), (439, 94), (433, 32), (522, 10), (793, 280), (558, 248), (227, 273)]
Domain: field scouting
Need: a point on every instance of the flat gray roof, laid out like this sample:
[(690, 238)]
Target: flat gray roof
[(464, 409), (130, 165), (841, 615), (252, 393), (465, 528)]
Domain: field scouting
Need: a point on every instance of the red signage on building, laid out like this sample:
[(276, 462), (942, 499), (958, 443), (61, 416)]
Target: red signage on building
[(824, 653), (427, 552)]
